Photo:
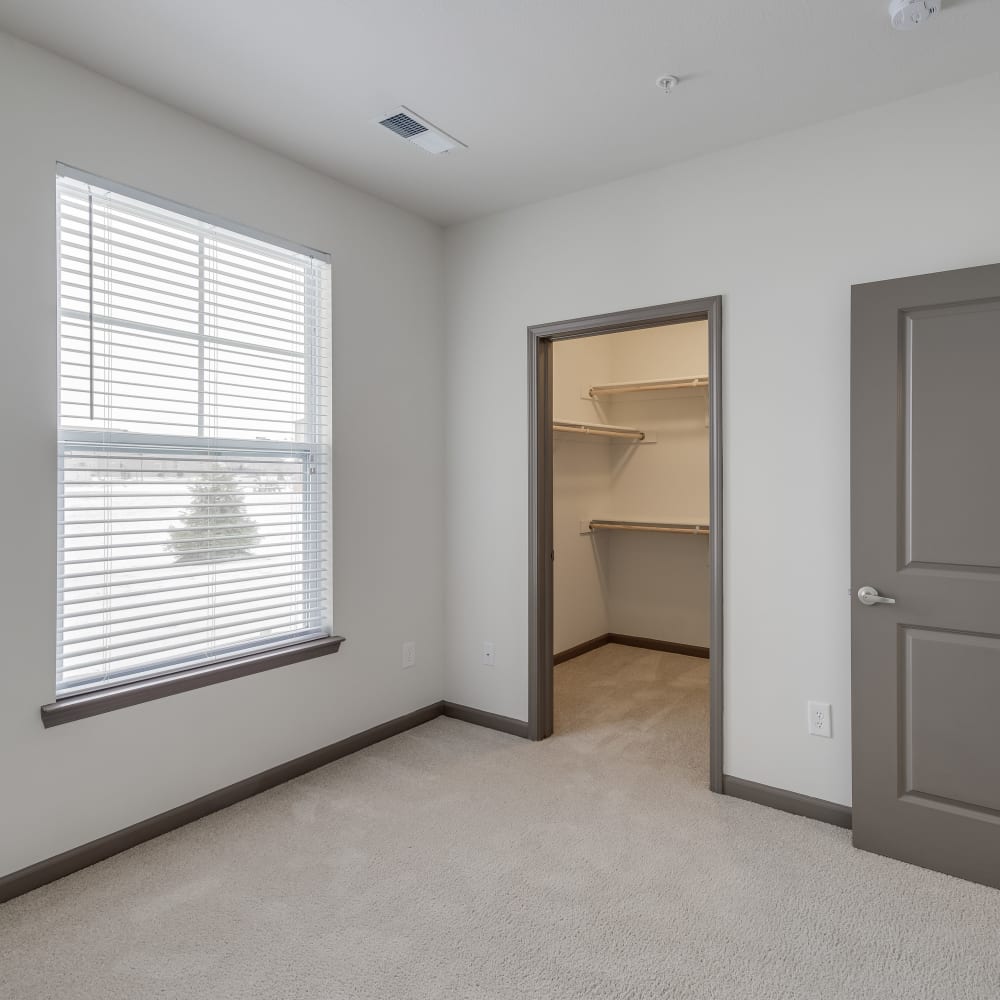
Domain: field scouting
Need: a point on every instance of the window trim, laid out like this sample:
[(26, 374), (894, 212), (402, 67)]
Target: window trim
[(82, 706)]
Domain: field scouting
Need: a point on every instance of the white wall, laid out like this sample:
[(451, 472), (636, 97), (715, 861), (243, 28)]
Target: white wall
[(62, 787), (659, 586), (781, 228), (581, 486)]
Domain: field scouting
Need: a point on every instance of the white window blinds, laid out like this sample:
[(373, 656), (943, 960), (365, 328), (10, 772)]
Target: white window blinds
[(193, 415)]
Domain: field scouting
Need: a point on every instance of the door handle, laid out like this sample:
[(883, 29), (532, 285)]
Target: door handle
[(869, 596)]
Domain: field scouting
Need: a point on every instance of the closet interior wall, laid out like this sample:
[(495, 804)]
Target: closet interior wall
[(646, 584)]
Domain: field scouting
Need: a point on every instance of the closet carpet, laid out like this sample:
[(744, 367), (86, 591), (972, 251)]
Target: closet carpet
[(455, 863)]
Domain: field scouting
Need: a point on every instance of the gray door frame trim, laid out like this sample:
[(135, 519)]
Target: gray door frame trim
[(540, 544)]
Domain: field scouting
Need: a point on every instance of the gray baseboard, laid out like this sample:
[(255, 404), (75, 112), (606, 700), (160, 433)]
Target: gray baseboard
[(43, 872), (581, 648), (39, 874), (663, 645), (489, 720), (790, 802)]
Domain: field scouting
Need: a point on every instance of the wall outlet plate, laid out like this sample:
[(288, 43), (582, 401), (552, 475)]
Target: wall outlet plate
[(409, 654), (820, 719)]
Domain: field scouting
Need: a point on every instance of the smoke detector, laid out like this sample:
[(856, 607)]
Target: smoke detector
[(410, 126), (908, 14)]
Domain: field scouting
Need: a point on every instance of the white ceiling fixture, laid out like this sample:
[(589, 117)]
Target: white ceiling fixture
[(553, 97), (410, 126), (908, 14), (667, 83)]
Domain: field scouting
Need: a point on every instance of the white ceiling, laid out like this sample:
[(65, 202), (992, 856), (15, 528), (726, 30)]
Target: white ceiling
[(551, 96)]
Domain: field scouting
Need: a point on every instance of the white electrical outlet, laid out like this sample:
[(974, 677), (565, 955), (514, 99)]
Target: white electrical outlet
[(489, 654), (409, 654), (820, 720)]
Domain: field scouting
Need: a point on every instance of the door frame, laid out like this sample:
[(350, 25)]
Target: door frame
[(540, 547)]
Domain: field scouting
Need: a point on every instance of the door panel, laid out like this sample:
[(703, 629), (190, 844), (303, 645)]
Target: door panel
[(952, 409), (951, 690), (925, 531)]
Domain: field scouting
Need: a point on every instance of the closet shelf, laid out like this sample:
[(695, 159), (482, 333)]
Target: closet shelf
[(598, 430), (665, 527), (652, 385)]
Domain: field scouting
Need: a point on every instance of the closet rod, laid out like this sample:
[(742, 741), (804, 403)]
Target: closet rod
[(612, 388), (661, 526), (600, 430)]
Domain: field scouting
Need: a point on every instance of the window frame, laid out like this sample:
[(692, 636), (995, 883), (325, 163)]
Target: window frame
[(129, 686)]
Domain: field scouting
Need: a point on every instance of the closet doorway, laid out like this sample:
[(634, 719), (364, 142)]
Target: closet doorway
[(643, 388)]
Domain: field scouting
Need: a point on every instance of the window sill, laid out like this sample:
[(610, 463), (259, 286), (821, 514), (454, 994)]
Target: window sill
[(82, 706)]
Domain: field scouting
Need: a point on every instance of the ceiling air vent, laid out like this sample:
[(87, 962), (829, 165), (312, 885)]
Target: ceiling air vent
[(419, 131)]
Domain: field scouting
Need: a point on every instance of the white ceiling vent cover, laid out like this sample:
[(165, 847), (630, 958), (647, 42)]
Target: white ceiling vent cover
[(419, 131)]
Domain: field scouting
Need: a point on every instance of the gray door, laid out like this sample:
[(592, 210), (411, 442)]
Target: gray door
[(925, 516)]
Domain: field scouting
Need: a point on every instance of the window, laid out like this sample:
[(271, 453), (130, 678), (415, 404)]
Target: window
[(193, 439)]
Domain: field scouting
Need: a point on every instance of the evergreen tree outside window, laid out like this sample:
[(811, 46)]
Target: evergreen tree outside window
[(215, 525)]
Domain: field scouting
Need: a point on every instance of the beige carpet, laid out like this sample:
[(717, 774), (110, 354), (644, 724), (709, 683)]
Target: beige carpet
[(456, 862)]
